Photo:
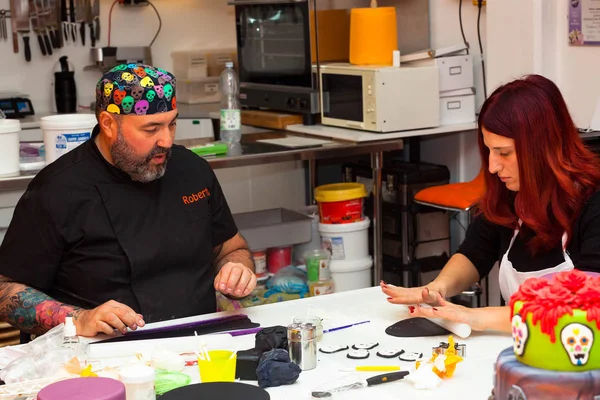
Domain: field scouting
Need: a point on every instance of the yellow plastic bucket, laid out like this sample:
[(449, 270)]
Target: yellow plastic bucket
[(341, 203)]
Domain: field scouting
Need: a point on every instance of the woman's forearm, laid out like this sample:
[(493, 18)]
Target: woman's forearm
[(492, 318), (458, 275)]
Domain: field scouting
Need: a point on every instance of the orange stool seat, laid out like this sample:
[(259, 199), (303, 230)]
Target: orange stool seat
[(453, 196)]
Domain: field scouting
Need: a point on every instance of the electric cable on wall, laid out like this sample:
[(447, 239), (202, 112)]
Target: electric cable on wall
[(462, 31), (150, 4), (479, 6)]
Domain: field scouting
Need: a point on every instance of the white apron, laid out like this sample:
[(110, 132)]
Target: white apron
[(510, 279)]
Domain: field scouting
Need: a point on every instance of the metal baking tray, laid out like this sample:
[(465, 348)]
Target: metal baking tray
[(278, 227)]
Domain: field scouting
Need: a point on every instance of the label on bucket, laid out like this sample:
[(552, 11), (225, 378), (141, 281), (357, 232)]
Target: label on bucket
[(68, 141), (342, 212), (335, 245)]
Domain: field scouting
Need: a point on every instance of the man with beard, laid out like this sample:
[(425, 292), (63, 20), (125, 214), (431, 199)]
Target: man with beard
[(127, 228)]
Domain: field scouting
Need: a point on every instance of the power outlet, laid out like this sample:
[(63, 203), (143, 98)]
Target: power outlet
[(476, 3)]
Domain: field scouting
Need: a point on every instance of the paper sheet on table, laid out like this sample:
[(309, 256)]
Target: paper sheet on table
[(178, 345)]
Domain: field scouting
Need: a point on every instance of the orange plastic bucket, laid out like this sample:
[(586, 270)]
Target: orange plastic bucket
[(341, 203)]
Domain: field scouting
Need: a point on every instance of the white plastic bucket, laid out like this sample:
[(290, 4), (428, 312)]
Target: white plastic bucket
[(351, 274), (63, 133), (9, 147), (346, 241), (315, 243)]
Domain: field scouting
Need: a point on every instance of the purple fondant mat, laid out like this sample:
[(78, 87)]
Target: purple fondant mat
[(415, 327), (215, 325), (217, 390)]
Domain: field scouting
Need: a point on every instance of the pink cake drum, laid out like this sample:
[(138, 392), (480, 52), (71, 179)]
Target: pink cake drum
[(84, 388)]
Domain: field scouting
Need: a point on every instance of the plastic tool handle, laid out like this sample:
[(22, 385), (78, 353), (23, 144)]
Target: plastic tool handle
[(82, 32), (42, 46), (64, 18), (92, 35), (384, 378), (27, 48), (48, 44)]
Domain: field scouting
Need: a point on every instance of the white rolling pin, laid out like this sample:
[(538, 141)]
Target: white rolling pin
[(460, 329)]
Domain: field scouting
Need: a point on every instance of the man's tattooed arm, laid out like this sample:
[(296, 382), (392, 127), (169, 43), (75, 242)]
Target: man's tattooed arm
[(30, 310)]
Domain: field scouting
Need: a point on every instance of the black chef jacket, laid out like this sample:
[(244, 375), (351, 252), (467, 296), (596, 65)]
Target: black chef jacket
[(85, 233)]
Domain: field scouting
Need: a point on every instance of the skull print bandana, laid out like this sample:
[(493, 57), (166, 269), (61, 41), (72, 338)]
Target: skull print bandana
[(136, 89)]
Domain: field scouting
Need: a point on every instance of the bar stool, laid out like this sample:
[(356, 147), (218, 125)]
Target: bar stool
[(457, 198)]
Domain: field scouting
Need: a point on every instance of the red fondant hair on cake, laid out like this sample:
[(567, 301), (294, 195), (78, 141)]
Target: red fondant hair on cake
[(557, 173), (549, 299)]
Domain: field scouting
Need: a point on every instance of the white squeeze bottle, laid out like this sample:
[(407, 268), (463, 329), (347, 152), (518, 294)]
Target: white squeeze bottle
[(70, 339), (231, 117)]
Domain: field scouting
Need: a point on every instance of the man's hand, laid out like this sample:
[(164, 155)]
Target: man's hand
[(235, 279), (106, 318)]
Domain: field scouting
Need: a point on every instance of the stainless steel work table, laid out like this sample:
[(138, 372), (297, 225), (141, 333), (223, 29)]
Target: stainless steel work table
[(341, 144), (252, 152)]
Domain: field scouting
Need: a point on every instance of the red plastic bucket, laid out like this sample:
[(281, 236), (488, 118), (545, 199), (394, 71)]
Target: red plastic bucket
[(341, 203)]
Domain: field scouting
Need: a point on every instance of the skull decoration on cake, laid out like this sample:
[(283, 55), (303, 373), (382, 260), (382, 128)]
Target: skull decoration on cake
[(520, 334), (577, 339)]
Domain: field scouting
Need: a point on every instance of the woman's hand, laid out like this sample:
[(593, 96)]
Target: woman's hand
[(418, 295), (451, 312)]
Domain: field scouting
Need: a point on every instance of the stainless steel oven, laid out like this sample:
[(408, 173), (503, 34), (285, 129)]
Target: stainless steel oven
[(282, 44), (275, 57)]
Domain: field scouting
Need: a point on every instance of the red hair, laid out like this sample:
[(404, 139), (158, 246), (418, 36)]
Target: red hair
[(557, 172)]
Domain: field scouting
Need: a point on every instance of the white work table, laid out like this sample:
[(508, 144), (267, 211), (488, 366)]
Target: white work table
[(473, 377)]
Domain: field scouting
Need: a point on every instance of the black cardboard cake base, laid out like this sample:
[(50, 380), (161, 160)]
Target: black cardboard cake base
[(217, 390), (415, 327)]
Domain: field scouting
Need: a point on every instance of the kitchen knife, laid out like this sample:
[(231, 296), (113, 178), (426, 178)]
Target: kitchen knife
[(81, 15), (53, 24), (89, 17), (73, 22), (13, 23), (42, 25), (4, 33), (64, 17), (36, 30), (33, 15), (22, 17), (375, 380), (96, 14)]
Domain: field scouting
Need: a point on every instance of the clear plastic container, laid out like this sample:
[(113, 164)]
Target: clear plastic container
[(139, 382), (260, 263), (312, 319), (190, 64), (202, 63), (319, 274), (217, 59), (198, 91)]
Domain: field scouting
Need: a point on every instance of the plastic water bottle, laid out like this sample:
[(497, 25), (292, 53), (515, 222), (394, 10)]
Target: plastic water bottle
[(231, 117)]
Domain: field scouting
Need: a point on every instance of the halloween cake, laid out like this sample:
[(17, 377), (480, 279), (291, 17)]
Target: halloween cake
[(555, 324)]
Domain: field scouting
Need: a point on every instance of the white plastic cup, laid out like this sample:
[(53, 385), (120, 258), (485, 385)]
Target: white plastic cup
[(9, 147), (65, 132)]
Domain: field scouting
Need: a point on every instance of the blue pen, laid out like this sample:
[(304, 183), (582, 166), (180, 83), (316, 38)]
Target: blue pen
[(344, 327)]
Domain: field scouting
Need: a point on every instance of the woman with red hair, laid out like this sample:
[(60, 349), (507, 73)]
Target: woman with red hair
[(540, 213)]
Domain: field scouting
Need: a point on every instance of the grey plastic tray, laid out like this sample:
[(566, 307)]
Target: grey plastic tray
[(277, 227)]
